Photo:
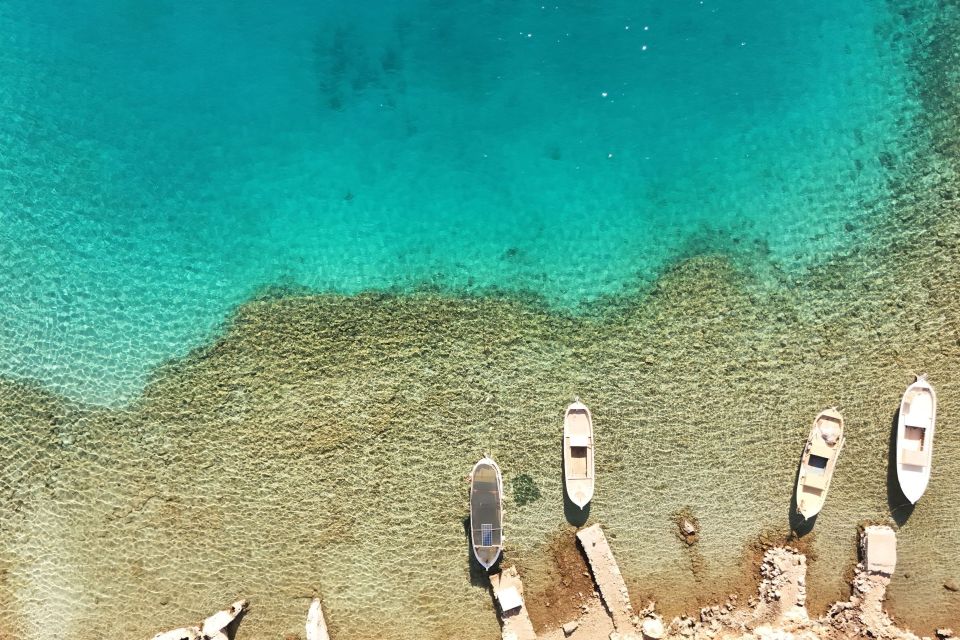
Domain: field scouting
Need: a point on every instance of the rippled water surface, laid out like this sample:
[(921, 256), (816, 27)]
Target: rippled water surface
[(273, 277), (163, 162)]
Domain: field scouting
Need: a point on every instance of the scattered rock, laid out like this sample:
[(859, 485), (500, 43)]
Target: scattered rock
[(570, 627), (951, 585), (688, 526), (652, 628)]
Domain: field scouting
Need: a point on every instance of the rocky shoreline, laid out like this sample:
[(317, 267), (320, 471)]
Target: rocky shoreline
[(777, 611)]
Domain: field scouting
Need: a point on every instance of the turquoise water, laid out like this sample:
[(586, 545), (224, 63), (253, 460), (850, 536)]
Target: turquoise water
[(161, 162)]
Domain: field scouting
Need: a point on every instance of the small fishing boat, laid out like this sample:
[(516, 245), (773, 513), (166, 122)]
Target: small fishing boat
[(819, 460), (915, 425), (486, 512), (578, 473)]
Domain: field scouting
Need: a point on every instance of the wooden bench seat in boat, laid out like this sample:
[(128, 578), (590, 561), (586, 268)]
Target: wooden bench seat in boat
[(580, 441), (914, 457), (815, 480)]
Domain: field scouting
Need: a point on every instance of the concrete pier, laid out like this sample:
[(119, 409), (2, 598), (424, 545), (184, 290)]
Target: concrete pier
[(515, 620), (606, 575)]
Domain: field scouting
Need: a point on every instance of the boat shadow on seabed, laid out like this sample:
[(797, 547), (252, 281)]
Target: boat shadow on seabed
[(571, 511), (799, 525), (574, 514), (900, 507)]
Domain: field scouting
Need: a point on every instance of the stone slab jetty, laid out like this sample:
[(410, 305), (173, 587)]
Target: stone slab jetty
[(515, 621), (607, 577)]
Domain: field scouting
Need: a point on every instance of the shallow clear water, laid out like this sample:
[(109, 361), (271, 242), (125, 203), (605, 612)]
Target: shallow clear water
[(164, 162)]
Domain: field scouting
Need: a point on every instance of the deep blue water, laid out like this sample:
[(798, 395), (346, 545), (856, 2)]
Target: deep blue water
[(161, 161)]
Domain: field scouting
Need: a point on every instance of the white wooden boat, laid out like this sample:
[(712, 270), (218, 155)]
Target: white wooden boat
[(819, 460), (316, 626), (486, 512), (915, 426), (578, 473)]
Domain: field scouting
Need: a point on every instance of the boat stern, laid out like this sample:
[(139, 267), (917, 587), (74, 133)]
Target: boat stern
[(809, 512), (912, 492), (486, 556)]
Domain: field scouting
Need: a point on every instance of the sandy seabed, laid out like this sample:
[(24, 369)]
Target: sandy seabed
[(319, 445)]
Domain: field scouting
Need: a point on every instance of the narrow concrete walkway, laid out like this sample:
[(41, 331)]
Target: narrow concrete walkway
[(516, 622), (606, 575)]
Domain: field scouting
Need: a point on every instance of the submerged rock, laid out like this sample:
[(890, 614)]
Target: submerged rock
[(525, 489), (688, 527)]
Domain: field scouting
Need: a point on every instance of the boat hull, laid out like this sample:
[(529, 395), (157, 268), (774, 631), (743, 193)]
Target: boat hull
[(486, 512), (578, 448), (916, 425), (819, 462)]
